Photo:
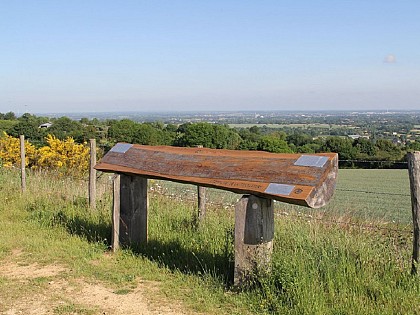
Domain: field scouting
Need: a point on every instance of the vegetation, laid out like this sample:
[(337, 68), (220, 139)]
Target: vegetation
[(319, 267), (374, 141), (63, 156)]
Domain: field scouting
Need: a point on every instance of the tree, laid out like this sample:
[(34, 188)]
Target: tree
[(147, 134), (342, 146), (65, 127), (28, 126), (199, 134), (388, 151), (299, 139), (9, 116), (208, 135), (365, 147), (250, 138), (414, 146), (122, 130), (273, 144)]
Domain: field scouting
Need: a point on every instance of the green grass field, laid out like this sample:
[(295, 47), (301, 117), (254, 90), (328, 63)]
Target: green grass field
[(319, 266)]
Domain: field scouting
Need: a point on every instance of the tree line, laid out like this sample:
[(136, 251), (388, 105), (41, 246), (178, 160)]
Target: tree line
[(210, 135)]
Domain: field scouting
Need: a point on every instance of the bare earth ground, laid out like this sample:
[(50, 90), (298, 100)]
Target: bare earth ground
[(57, 293)]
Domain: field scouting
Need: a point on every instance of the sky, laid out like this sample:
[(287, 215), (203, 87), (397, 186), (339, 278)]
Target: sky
[(179, 55)]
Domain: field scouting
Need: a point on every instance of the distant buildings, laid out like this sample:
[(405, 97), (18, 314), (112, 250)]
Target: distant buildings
[(355, 137), (45, 125)]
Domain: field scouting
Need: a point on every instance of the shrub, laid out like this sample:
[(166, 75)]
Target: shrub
[(10, 151), (66, 156)]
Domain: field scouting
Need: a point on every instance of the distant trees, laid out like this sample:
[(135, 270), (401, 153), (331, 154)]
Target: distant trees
[(343, 146), (365, 147), (210, 135), (207, 135), (388, 151), (28, 125), (9, 116), (122, 130), (273, 144), (64, 127)]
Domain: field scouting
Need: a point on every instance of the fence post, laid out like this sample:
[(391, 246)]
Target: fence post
[(201, 194), (254, 233), (201, 203), (414, 174), (115, 241), (22, 163), (92, 174)]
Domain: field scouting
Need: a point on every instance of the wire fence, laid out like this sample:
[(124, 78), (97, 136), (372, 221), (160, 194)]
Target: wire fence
[(365, 198), (373, 164), (368, 199)]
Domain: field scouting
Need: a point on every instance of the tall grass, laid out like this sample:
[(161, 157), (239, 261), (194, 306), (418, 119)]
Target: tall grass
[(318, 267)]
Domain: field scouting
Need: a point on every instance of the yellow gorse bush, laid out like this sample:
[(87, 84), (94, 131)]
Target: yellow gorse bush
[(10, 151), (64, 156)]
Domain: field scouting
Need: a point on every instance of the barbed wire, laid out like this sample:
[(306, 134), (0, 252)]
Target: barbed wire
[(190, 196), (374, 161), (370, 226), (373, 192)]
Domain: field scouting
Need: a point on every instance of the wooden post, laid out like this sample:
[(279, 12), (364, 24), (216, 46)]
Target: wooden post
[(115, 241), (254, 233), (201, 203), (133, 210), (414, 174), (22, 163), (92, 175), (201, 194)]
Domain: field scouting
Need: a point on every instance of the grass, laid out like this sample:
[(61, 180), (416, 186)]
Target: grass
[(72, 308), (319, 267)]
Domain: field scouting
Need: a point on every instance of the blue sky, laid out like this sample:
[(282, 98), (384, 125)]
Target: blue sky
[(89, 55)]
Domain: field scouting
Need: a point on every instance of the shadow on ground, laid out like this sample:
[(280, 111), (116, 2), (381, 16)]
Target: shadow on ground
[(169, 254)]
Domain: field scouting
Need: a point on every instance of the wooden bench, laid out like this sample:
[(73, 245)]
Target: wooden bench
[(303, 179)]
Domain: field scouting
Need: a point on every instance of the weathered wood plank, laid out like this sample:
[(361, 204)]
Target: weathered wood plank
[(307, 180)]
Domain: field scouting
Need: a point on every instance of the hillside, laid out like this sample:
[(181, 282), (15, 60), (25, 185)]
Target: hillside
[(346, 259)]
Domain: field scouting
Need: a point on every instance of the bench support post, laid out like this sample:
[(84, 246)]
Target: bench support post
[(115, 239), (254, 233), (133, 210)]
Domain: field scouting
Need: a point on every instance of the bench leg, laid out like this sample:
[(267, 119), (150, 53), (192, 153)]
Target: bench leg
[(254, 233), (133, 207)]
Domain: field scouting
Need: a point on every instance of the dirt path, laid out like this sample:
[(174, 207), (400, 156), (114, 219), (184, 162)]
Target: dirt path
[(36, 289)]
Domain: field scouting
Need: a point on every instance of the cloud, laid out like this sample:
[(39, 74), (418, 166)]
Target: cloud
[(390, 59)]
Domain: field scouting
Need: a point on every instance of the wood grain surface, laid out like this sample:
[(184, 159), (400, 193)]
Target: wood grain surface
[(269, 175)]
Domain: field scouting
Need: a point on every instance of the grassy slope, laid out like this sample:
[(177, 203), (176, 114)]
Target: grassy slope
[(319, 268)]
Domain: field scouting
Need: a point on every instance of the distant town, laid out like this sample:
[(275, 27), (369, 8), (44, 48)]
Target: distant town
[(391, 124)]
